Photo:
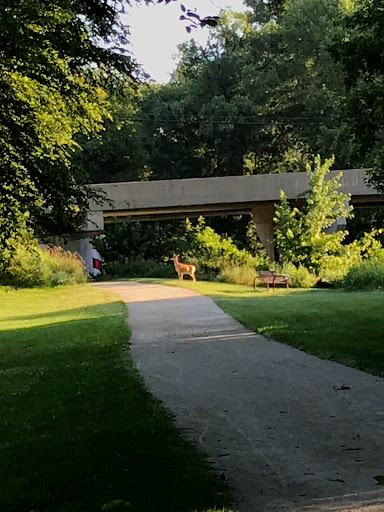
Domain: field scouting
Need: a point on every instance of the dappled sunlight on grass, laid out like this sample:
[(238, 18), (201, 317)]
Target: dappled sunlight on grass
[(269, 330)]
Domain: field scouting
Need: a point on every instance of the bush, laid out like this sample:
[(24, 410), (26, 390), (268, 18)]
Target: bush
[(369, 275), (333, 269), (237, 274), (301, 277), (30, 266), (215, 253)]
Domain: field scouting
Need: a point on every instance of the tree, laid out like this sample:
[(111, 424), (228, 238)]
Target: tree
[(117, 153), (360, 49), (301, 235), (52, 73), (261, 97)]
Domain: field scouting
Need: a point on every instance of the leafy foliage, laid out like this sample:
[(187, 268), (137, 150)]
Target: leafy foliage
[(31, 266), (137, 267), (142, 240), (52, 73), (334, 268), (214, 252), (360, 48), (368, 275), (304, 238), (300, 276), (117, 153), (262, 96), (301, 235)]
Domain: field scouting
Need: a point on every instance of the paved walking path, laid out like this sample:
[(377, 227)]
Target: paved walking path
[(290, 432)]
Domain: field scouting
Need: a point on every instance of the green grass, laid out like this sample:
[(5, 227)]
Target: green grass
[(346, 327), (78, 429)]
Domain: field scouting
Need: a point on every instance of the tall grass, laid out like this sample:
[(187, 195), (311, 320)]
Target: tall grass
[(230, 272), (31, 266)]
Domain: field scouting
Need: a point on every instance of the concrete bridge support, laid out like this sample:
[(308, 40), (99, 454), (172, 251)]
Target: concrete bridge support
[(263, 214)]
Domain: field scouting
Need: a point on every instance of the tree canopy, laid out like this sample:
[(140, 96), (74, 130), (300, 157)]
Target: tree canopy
[(52, 78), (263, 96), (360, 49)]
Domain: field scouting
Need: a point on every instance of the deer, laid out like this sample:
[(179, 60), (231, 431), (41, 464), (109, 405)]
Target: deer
[(184, 268)]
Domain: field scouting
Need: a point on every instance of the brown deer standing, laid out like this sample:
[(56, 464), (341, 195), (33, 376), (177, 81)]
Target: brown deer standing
[(184, 268)]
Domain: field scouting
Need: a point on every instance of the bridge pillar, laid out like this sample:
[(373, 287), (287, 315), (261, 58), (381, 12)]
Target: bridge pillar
[(340, 223), (94, 221), (263, 214)]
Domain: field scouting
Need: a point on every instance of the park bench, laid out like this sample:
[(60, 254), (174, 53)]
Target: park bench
[(271, 277)]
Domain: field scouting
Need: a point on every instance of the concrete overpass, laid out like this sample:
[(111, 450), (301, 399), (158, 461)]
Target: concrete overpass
[(255, 195)]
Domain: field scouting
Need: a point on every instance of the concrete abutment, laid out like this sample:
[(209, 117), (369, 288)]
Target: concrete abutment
[(263, 214)]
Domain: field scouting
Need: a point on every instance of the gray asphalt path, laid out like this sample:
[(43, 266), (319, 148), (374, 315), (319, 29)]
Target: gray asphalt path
[(289, 431)]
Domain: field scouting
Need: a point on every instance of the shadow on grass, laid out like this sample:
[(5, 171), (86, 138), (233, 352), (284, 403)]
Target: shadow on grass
[(52, 314), (79, 430)]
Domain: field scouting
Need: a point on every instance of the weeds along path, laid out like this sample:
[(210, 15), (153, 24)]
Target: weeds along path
[(289, 431)]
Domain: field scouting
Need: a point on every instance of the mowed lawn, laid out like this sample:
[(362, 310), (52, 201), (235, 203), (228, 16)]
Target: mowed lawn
[(78, 429), (347, 327)]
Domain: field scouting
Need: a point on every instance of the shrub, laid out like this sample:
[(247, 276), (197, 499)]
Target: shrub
[(301, 277), (30, 266), (213, 252), (333, 268), (237, 274), (369, 275)]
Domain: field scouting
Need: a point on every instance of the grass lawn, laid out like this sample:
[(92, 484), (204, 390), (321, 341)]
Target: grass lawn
[(78, 429), (346, 327)]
